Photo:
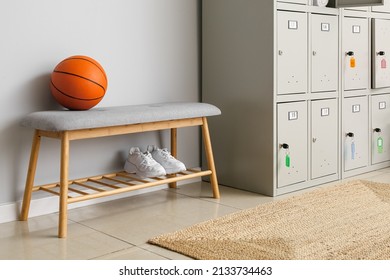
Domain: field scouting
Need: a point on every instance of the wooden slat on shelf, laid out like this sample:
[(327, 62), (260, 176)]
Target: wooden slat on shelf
[(47, 186), (157, 178), (52, 192), (49, 191), (118, 181), (77, 191), (89, 187), (133, 178), (104, 184), (97, 177), (193, 170)]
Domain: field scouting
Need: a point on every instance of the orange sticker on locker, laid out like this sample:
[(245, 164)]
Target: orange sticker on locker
[(352, 62)]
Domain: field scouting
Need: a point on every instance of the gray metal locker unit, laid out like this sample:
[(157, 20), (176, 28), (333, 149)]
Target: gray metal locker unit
[(263, 64), (262, 60), (380, 128), (376, 18)]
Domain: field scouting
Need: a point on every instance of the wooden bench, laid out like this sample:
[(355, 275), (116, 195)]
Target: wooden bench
[(99, 122)]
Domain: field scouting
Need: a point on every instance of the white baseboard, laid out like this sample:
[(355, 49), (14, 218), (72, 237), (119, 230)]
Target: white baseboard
[(49, 205)]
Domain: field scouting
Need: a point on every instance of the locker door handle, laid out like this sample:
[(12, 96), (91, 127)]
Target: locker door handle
[(284, 146), (280, 52), (381, 53), (350, 53), (377, 130), (350, 134)]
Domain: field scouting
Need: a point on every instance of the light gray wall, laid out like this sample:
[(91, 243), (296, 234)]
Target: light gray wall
[(149, 49)]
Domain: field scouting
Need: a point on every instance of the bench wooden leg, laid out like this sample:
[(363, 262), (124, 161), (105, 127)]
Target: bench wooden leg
[(210, 158), (64, 173), (173, 185), (30, 176)]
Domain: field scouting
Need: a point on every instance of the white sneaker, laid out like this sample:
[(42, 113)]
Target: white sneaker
[(163, 157), (142, 164)]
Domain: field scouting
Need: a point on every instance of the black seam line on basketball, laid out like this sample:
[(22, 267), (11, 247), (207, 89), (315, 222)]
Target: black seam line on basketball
[(92, 81), (83, 99), (89, 62), (104, 74)]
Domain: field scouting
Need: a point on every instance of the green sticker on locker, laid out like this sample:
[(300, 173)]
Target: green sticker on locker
[(379, 143), (287, 160)]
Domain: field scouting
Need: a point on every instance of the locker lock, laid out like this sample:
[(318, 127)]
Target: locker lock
[(350, 134), (381, 53), (377, 130), (284, 146), (350, 53)]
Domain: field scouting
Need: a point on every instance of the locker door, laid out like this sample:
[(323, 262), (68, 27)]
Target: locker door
[(380, 128), (292, 143), (324, 128), (380, 53), (324, 53), (355, 53), (292, 52), (355, 132)]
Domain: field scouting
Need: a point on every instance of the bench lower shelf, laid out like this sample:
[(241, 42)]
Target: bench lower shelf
[(71, 191), (115, 183)]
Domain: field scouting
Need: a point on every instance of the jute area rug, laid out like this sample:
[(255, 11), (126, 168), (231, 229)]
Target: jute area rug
[(346, 221)]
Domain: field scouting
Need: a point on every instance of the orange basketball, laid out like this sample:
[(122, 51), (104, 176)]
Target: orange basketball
[(78, 82)]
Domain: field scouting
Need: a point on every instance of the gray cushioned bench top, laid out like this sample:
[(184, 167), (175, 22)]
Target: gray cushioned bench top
[(114, 116)]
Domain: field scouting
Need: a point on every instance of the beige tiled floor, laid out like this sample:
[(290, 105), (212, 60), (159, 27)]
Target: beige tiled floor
[(120, 229)]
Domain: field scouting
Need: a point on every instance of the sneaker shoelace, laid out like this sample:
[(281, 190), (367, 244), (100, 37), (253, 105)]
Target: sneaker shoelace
[(147, 158), (166, 154)]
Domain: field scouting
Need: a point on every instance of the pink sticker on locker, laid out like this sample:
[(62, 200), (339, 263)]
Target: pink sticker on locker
[(383, 63)]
